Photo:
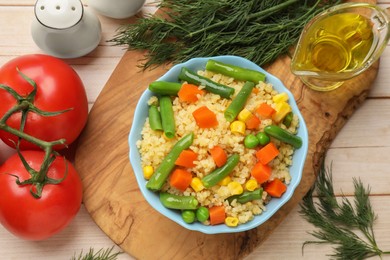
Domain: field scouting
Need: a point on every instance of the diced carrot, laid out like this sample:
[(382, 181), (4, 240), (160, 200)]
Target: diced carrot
[(189, 93), (180, 179), (275, 188), (205, 118), (265, 110), (252, 122), (187, 158), (267, 153), (261, 172), (217, 215), (255, 90), (219, 155)]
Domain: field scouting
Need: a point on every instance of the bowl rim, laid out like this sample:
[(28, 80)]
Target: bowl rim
[(276, 203)]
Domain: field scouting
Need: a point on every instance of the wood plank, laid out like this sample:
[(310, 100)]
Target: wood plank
[(120, 210), (363, 127), (285, 243)]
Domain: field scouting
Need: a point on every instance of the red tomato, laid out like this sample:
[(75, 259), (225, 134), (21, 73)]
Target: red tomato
[(35, 219), (58, 88)]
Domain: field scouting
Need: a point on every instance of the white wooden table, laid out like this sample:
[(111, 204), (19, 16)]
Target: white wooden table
[(361, 150)]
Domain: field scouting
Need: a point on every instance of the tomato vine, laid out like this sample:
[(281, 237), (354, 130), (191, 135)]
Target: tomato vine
[(25, 105)]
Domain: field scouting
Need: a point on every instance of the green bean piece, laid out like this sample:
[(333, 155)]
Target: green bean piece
[(155, 118), (188, 216), (283, 135), (235, 72), (218, 174), (167, 117), (165, 87), (247, 196), (162, 172), (263, 138), (288, 119), (210, 86), (202, 214), (251, 141), (239, 101), (173, 201)]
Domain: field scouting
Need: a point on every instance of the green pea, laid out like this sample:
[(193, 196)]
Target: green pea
[(188, 216), (251, 141), (202, 214), (263, 138)]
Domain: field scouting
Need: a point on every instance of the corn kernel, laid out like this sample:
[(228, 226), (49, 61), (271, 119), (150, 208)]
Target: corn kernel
[(244, 115), (231, 221), (225, 181), (282, 109), (148, 172), (235, 188), (281, 97), (196, 184), (251, 185), (238, 127)]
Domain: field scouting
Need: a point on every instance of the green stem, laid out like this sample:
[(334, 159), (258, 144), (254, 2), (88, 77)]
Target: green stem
[(20, 107), (263, 14), (29, 138), (45, 165), (25, 105)]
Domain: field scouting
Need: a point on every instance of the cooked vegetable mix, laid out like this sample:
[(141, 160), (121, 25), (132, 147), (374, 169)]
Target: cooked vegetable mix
[(222, 154), (164, 87), (239, 101), (283, 135), (211, 86), (167, 118), (247, 196), (162, 172), (182, 202), (217, 175), (155, 118), (235, 71)]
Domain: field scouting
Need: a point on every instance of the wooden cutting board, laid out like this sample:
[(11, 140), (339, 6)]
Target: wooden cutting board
[(111, 194)]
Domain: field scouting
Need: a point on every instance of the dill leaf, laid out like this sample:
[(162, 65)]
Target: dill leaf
[(345, 225), (260, 31), (101, 254)]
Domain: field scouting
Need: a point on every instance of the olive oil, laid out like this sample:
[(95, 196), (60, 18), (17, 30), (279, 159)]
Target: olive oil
[(334, 44)]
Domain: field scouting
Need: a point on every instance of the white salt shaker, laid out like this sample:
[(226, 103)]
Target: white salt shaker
[(118, 9), (64, 28)]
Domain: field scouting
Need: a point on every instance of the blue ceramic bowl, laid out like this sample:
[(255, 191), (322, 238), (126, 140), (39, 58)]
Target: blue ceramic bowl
[(152, 198)]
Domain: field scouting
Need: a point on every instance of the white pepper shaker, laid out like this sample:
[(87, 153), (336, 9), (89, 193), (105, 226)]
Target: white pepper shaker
[(118, 9), (64, 28)]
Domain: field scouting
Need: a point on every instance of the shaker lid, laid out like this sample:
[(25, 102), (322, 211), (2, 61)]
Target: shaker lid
[(59, 14)]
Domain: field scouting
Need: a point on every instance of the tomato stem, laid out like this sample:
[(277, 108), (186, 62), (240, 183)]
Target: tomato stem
[(24, 105), (20, 107), (41, 143)]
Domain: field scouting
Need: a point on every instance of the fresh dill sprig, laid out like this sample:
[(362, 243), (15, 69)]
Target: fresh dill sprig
[(338, 220), (257, 30), (105, 254)]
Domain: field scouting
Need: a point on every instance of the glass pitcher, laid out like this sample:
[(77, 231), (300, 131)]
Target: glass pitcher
[(339, 44)]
